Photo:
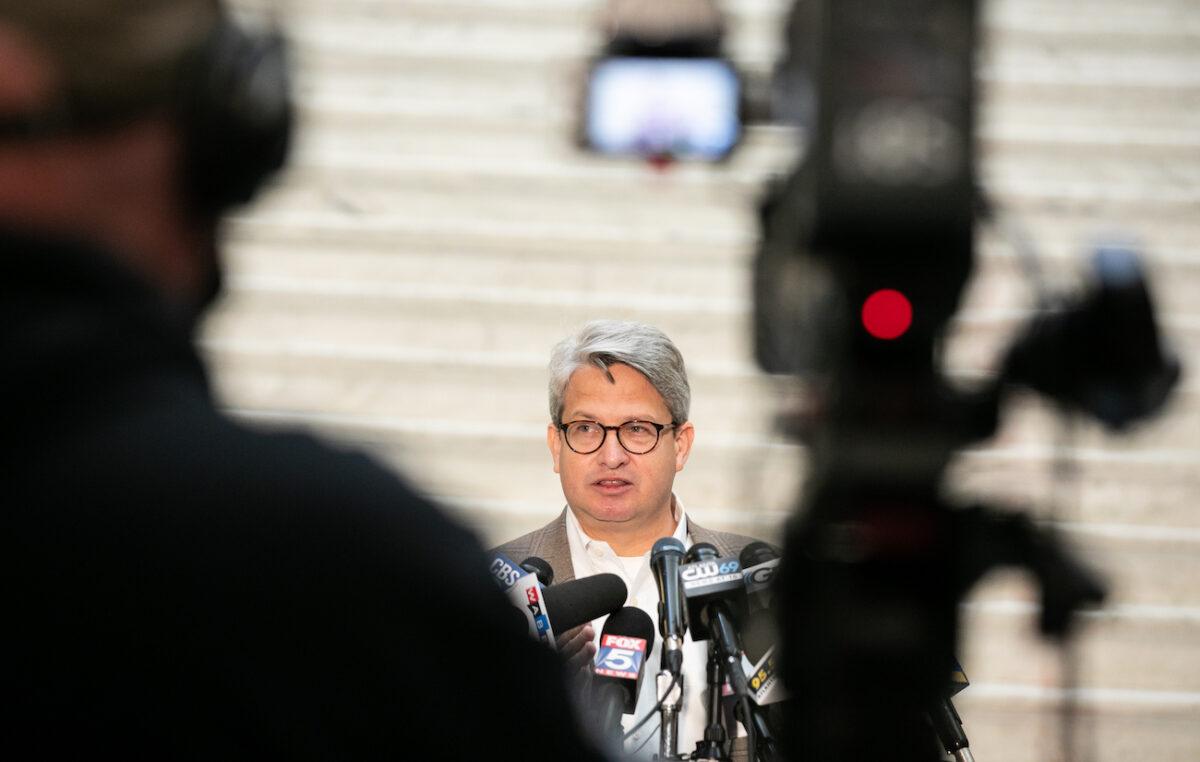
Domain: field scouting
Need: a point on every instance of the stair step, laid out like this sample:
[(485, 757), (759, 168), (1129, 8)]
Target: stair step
[(1001, 645), (731, 473)]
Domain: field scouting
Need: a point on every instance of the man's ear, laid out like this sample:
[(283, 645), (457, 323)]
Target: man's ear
[(552, 435), (685, 433)]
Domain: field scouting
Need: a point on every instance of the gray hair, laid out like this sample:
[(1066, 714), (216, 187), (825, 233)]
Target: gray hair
[(644, 348)]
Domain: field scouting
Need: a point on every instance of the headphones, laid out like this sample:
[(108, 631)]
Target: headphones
[(235, 108), (233, 104)]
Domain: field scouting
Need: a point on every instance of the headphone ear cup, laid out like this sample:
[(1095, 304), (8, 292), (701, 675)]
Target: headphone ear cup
[(236, 111)]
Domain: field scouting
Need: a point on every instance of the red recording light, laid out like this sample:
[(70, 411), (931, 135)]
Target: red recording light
[(887, 314)]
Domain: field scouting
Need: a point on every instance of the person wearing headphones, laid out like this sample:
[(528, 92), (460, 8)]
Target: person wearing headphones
[(179, 586)]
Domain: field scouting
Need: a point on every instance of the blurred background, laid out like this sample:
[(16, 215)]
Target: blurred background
[(401, 287)]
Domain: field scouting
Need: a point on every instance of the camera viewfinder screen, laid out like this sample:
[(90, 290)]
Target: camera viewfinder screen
[(681, 107)]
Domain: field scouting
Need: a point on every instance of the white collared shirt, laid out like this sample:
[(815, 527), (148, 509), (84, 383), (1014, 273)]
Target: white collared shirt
[(590, 557)]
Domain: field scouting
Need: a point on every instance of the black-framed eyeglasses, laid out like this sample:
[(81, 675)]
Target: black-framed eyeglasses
[(637, 437)]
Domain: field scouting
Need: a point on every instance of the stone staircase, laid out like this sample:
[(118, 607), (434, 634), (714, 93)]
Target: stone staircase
[(401, 286)]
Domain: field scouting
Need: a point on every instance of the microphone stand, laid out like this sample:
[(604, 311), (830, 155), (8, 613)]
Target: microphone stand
[(713, 745), (672, 702)]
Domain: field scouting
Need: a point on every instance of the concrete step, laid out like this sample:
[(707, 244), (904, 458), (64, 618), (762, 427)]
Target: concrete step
[(1000, 278), (397, 243), (448, 315), (740, 478), (448, 385), (1110, 26), (668, 270), (389, 162), (1152, 487), (1019, 723), (467, 319), (532, 12), (751, 42), (1128, 122), (1052, 18), (461, 217), (489, 387), (389, 165), (507, 469), (1001, 645)]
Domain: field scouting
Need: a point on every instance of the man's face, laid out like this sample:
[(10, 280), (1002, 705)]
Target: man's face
[(611, 485)]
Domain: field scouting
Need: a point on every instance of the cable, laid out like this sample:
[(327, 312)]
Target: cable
[(1028, 258), (642, 745), (653, 712), (1065, 505)]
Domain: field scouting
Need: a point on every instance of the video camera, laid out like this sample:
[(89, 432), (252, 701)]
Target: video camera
[(866, 247)]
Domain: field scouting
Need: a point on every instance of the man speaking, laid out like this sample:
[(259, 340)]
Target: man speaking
[(619, 432), (177, 586)]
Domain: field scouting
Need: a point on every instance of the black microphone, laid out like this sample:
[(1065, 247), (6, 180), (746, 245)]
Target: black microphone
[(665, 559), (625, 643), (538, 566), (714, 589), (759, 636), (759, 633), (947, 725), (551, 610), (759, 562), (579, 601), (756, 553)]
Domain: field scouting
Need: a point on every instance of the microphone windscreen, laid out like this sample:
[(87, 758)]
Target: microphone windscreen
[(539, 566), (702, 551), (757, 552), (579, 601), (664, 546), (631, 622), (625, 644)]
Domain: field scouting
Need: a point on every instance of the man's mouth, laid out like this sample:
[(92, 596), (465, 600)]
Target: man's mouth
[(612, 485)]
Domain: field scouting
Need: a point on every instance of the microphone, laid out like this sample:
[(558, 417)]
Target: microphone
[(625, 643), (714, 589), (559, 607), (947, 725), (579, 601), (759, 634), (665, 559), (759, 561), (756, 553), (538, 566)]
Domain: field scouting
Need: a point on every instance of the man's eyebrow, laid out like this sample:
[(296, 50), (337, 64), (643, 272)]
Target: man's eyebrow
[(583, 415)]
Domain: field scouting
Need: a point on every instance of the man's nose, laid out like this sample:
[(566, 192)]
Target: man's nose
[(612, 454)]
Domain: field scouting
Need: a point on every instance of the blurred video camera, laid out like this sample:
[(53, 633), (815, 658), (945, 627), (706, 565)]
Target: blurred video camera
[(865, 250)]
